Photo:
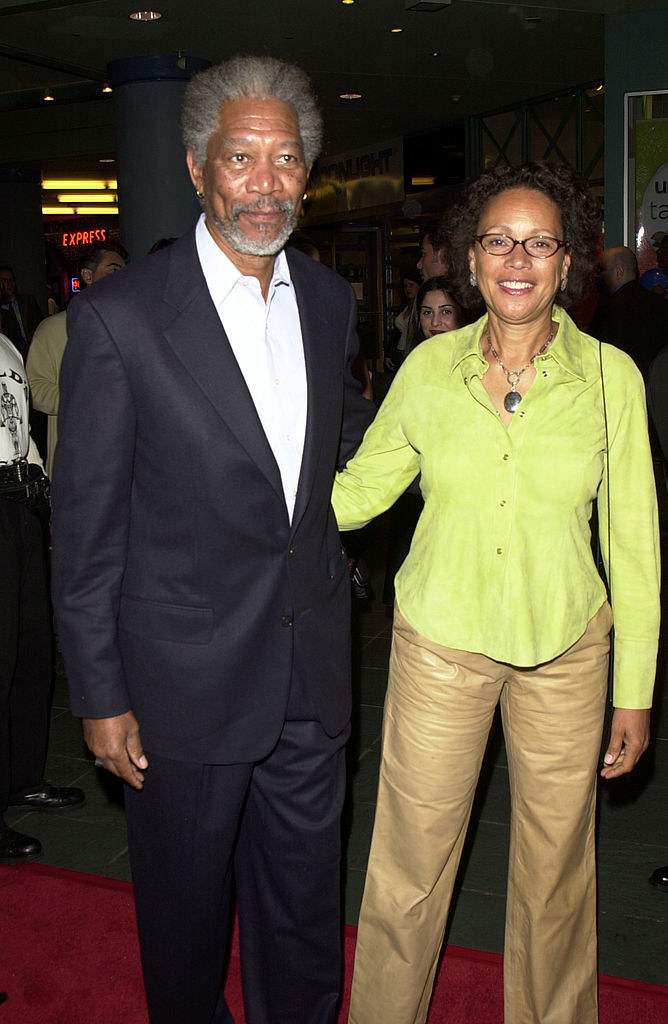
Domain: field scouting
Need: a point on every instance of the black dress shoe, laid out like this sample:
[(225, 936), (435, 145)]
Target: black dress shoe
[(659, 878), (46, 797), (16, 848)]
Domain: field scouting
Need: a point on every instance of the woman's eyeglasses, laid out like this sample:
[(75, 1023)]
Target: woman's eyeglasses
[(539, 247)]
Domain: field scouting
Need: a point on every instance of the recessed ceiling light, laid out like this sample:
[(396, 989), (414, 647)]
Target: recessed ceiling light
[(435, 53), (106, 87), (396, 29), (62, 184), (48, 96), (350, 96), (107, 160), (347, 1), (145, 15), (69, 198)]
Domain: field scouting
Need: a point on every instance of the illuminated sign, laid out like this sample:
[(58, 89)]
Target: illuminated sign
[(75, 284), (357, 180), (70, 238)]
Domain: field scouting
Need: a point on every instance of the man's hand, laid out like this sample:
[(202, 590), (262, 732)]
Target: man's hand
[(629, 738), (117, 746)]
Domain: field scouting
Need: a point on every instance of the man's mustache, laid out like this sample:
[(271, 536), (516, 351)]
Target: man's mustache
[(263, 206)]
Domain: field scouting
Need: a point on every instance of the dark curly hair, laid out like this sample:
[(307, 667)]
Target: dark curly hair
[(415, 334), (579, 214)]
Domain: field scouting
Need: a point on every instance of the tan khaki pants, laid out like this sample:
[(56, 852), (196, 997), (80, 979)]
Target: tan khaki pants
[(438, 713)]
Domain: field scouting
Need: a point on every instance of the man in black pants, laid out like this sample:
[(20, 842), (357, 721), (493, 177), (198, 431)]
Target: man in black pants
[(25, 623)]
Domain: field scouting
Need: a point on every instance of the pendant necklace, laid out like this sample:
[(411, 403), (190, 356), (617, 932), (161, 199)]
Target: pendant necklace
[(513, 398)]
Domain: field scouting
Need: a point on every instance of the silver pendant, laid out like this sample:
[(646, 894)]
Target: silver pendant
[(511, 401)]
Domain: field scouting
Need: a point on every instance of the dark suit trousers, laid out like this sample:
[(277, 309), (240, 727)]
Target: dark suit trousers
[(271, 830), (25, 651)]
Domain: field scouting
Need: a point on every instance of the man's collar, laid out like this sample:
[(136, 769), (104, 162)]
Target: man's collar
[(226, 274)]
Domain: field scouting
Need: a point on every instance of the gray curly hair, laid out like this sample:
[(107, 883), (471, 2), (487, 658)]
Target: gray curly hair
[(265, 77)]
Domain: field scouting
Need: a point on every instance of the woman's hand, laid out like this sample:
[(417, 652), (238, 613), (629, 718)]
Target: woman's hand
[(629, 738)]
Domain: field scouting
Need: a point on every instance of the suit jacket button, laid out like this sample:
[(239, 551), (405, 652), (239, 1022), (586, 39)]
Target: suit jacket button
[(286, 620)]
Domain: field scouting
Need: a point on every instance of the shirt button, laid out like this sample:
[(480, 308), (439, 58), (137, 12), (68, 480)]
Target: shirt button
[(502, 502), (506, 456), (522, 414), (499, 551), (286, 620), (277, 381), (544, 373)]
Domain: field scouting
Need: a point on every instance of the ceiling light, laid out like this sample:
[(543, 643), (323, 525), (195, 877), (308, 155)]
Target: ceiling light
[(94, 197), (347, 1), (107, 160), (93, 211), (423, 180), (396, 29), (145, 15), (350, 96), (61, 184), (48, 96), (50, 210), (106, 87)]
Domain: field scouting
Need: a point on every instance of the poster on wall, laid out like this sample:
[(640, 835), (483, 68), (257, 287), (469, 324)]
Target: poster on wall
[(647, 185)]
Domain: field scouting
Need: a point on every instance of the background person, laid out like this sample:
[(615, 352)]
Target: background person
[(20, 312), (435, 257), (435, 311), (499, 599), (48, 344), (396, 351), (25, 623), (201, 589), (628, 316)]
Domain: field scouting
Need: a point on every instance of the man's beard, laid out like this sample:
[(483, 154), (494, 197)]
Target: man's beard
[(259, 247)]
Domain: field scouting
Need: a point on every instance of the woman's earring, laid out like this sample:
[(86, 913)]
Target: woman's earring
[(473, 280)]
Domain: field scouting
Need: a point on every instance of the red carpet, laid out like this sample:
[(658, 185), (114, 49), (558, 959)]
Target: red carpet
[(69, 955)]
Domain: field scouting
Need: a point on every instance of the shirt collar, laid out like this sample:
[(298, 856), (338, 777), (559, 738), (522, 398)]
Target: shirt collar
[(221, 274), (566, 349)]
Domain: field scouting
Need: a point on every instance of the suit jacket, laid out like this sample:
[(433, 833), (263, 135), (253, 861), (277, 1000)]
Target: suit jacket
[(181, 589), (634, 320)]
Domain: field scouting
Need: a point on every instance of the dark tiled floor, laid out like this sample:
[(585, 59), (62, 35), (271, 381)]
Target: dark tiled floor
[(633, 822)]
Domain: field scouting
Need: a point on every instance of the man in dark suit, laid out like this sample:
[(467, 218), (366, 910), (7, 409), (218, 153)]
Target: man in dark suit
[(628, 316), (201, 590)]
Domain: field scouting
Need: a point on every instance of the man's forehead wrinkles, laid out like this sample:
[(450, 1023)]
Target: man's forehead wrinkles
[(243, 140)]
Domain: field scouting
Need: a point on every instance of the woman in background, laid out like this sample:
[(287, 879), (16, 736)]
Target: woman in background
[(435, 311)]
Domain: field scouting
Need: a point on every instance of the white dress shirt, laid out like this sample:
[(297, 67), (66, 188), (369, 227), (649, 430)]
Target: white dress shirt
[(266, 339)]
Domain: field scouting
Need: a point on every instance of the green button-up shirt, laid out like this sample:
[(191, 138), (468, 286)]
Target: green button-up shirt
[(501, 561)]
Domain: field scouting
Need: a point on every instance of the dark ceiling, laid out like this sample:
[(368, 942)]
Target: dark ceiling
[(469, 57)]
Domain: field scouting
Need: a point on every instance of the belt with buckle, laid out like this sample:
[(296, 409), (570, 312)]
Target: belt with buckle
[(14, 475)]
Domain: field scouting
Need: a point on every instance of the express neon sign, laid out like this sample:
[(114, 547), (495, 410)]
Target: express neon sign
[(71, 238)]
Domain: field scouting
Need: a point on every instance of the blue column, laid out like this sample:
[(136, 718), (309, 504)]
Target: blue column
[(156, 197)]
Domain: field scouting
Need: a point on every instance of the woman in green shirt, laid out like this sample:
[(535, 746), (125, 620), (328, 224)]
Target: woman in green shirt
[(517, 424)]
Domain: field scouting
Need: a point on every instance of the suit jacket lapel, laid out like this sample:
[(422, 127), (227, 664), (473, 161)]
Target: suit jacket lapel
[(193, 329), (320, 372)]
